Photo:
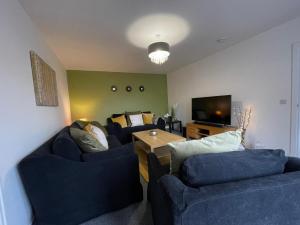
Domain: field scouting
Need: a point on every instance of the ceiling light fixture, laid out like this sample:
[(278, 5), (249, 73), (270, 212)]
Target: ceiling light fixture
[(159, 52), (222, 40)]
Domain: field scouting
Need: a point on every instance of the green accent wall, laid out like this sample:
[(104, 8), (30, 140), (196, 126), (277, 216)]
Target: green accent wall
[(91, 97)]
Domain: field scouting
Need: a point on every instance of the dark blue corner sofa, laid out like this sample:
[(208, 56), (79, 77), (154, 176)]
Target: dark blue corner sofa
[(253, 187), (68, 187), (125, 134)]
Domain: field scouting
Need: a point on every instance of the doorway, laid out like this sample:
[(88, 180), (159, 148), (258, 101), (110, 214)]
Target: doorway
[(295, 112), (2, 212)]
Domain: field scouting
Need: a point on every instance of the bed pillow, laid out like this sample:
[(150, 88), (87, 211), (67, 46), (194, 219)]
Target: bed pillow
[(224, 142)]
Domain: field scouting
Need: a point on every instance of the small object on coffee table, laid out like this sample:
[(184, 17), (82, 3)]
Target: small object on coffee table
[(153, 132)]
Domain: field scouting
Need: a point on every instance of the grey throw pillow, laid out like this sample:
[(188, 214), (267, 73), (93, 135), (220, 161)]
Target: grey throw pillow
[(86, 141), (81, 123)]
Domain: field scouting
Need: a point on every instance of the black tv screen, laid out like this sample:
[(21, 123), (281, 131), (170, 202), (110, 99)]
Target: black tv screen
[(212, 110)]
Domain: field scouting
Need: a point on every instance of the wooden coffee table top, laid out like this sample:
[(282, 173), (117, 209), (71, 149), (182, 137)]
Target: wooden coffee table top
[(161, 139)]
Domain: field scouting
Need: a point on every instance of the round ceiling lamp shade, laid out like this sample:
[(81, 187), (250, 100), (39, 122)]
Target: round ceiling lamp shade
[(159, 52)]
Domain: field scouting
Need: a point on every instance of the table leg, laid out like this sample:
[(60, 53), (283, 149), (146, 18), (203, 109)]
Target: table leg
[(170, 127)]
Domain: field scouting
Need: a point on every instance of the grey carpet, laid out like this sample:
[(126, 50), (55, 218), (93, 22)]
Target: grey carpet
[(136, 214)]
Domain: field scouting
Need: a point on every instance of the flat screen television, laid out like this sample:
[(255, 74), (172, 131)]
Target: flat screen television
[(212, 110)]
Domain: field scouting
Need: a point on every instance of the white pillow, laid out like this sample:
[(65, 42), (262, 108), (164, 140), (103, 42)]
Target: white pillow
[(98, 134), (136, 120), (224, 142)]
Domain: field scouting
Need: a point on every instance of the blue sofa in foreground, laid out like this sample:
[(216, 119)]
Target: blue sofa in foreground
[(253, 187), (68, 187)]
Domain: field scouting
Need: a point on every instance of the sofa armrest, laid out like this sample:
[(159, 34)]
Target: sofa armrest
[(113, 141), (293, 164), (174, 189), (68, 192), (155, 169), (161, 212), (114, 128)]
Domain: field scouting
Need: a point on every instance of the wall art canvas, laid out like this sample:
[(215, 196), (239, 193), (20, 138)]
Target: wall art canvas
[(44, 81)]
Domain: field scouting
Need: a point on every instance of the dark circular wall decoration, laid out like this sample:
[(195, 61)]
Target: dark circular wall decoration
[(128, 88), (113, 88), (142, 88)]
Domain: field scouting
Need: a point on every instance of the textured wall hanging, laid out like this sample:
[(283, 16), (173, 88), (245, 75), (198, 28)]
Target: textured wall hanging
[(44, 81)]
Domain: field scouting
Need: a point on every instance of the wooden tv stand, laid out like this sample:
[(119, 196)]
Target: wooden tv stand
[(197, 131)]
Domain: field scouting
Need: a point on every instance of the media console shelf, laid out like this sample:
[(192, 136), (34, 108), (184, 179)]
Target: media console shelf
[(197, 131)]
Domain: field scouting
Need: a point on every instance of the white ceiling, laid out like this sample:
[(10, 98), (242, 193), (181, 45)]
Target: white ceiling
[(93, 34)]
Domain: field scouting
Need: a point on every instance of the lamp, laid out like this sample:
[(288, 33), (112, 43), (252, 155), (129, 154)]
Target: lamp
[(113, 88), (159, 52)]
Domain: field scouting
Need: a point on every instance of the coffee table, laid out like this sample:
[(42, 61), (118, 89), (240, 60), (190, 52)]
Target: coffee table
[(144, 143)]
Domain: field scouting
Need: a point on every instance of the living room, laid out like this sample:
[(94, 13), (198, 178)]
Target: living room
[(100, 52)]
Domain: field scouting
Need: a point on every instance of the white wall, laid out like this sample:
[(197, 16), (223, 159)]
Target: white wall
[(256, 72), (24, 126)]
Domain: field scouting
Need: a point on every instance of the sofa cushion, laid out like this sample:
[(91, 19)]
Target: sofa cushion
[(117, 115), (136, 120), (127, 114), (99, 125), (148, 118), (86, 141), (114, 153), (113, 141), (82, 124), (130, 130), (65, 147), (120, 120), (97, 133), (224, 142), (217, 168)]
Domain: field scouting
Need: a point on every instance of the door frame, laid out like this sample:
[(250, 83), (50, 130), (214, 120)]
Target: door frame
[(2, 209), (295, 113)]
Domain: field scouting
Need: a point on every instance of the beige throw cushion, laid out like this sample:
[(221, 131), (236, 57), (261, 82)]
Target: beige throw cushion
[(224, 142)]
